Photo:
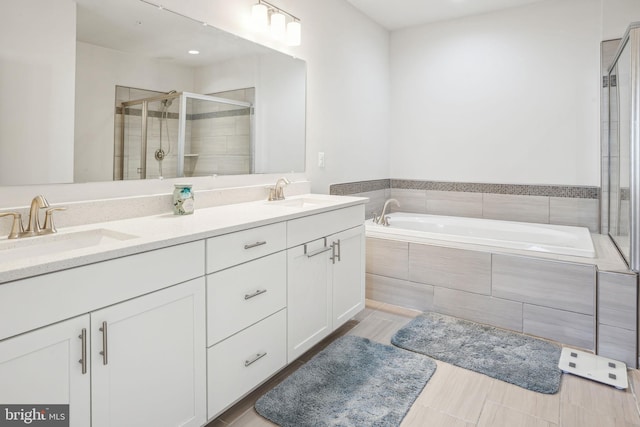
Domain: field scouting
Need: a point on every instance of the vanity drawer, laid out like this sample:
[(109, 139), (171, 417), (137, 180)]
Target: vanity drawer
[(42, 300), (235, 248), (240, 296), (242, 362), (306, 229)]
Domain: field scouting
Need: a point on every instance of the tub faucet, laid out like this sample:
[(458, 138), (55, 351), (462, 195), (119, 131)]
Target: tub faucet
[(277, 192), (33, 227), (382, 219)]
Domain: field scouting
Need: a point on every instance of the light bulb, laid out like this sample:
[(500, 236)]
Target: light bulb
[(260, 17), (294, 31), (278, 26)]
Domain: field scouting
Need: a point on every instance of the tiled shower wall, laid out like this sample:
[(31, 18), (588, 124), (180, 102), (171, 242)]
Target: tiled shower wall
[(222, 138), (216, 142), (547, 204)]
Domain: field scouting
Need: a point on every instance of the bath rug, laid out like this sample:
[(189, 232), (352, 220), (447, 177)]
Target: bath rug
[(508, 356), (353, 382)]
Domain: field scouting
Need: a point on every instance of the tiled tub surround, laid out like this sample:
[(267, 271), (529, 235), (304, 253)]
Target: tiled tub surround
[(572, 300), (547, 204)]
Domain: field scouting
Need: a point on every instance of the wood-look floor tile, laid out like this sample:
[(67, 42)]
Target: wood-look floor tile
[(420, 416), (378, 328), (238, 410), (496, 415), (578, 416), (599, 398), (252, 419), (456, 391), (372, 304), (539, 405), (217, 423), (402, 311)]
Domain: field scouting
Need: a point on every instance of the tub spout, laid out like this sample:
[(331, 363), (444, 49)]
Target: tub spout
[(382, 219)]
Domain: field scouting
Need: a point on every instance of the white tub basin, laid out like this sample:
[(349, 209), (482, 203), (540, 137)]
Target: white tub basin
[(31, 247)]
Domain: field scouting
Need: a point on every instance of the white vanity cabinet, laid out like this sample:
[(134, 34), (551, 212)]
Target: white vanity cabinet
[(46, 366), (148, 360), (246, 312), (174, 336), (154, 368), (325, 275)]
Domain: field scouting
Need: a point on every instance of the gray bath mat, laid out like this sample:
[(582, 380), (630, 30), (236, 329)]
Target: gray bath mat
[(352, 382), (508, 356)]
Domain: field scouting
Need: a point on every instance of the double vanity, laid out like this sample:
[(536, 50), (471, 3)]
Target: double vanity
[(169, 320)]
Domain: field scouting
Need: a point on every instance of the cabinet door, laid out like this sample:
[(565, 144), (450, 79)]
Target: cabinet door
[(149, 362), (42, 367), (308, 296), (348, 274)]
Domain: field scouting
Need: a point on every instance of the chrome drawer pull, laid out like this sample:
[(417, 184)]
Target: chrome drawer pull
[(83, 361), (255, 294), (255, 245), (257, 357)]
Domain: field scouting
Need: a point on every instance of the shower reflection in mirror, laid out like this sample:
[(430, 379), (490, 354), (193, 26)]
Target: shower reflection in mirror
[(174, 134)]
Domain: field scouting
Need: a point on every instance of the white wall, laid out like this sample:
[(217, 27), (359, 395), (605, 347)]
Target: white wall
[(506, 97), (347, 81), (617, 15), (37, 54)]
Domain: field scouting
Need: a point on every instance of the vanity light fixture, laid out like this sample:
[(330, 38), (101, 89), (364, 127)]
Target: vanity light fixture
[(266, 16), (194, 52)]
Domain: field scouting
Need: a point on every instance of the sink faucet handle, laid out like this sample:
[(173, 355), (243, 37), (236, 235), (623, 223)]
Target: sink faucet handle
[(16, 227), (49, 226)]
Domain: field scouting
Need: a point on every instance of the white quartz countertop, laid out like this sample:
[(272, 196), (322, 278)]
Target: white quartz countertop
[(30, 256)]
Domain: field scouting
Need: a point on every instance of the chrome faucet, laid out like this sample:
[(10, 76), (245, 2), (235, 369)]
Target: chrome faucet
[(33, 227), (277, 192), (382, 219)]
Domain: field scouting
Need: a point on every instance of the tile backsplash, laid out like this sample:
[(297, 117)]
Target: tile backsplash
[(547, 204)]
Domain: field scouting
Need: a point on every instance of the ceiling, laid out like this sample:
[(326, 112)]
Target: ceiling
[(397, 14)]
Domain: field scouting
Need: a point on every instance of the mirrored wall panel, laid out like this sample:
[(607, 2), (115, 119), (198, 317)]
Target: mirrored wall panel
[(94, 49)]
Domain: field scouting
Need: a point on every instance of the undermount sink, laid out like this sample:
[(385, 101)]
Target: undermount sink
[(31, 247), (303, 202)]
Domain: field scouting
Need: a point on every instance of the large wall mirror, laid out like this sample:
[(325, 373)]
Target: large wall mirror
[(109, 90)]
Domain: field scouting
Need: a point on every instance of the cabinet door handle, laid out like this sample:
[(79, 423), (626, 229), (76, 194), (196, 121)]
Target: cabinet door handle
[(253, 360), (254, 294), (83, 360), (339, 249), (316, 252), (105, 357), (335, 255), (255, 245)]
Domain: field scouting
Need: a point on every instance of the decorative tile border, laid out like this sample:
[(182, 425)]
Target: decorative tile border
[(567, 191), (359, 187)]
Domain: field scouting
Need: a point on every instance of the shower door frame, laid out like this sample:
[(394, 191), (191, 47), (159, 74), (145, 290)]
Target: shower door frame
[(182, 125), (631, 38)]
